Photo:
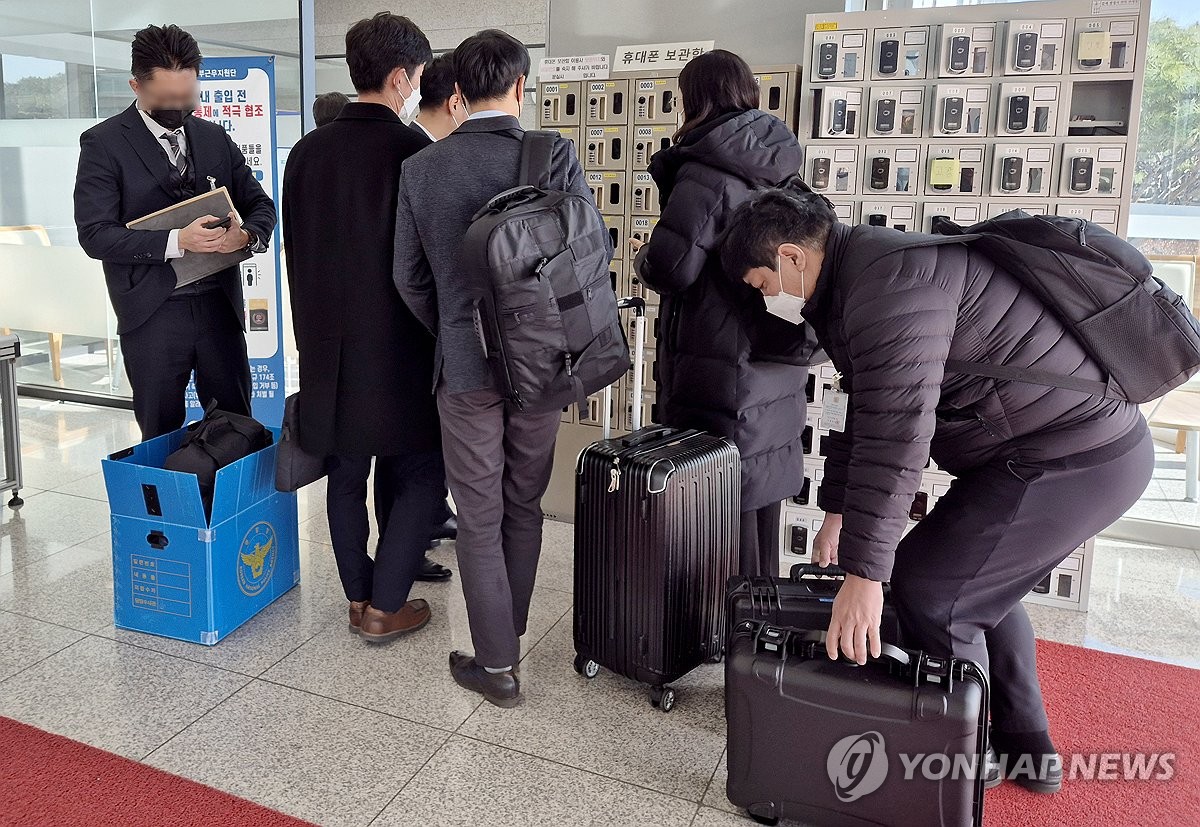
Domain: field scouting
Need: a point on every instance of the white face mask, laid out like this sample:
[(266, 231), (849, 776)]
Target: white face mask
[(412, 103), (786, 306)]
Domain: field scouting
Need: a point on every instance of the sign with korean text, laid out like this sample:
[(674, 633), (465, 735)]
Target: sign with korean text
[(580, 67), (659, 55), (239, 94)]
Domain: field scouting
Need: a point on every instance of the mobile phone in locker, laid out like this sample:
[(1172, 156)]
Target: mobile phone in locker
[(1010, 174), (903, 178), (880, 172), (799, 540), (877, 219), (1018, 113), (960, 49), (820, 173), (952, 114), (842, 180), (837, 120), (966, 179), (827, 60), (1081, 174), (1026, 56), (885, 115), (889, 57)]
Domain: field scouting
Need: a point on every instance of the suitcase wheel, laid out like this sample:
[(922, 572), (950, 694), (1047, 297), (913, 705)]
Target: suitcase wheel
[(586, 667), (662, 697)]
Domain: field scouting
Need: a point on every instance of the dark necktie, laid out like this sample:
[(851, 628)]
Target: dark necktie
[(178, 158)]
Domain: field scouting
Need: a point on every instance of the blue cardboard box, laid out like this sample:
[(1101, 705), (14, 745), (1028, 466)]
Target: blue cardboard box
[(180, 574)]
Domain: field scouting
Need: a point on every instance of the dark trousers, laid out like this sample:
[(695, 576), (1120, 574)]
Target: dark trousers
[(197, 332), (408, 490), (960, 575), (760, 542), (498, 464)]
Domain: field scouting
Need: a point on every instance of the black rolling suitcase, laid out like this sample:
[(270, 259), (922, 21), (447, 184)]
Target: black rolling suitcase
[(657, 517), (901, 741), (802, 601)]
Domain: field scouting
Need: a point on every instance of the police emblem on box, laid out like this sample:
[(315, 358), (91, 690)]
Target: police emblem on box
[(256, 558)]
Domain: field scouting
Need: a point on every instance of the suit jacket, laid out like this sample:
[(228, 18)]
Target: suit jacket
[(366, 363), (441, 189), (123, 175)]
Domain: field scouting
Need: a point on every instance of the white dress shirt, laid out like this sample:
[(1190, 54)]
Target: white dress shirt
[(421, 127), (157, 131), (490, 113)]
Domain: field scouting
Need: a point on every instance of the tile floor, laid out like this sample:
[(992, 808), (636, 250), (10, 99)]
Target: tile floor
[(295, 713)]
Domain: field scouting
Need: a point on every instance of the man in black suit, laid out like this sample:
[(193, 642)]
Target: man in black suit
[(442, 110), (149, 157), (366, 363)]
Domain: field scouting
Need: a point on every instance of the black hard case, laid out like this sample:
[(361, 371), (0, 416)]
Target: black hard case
[(802, 601), (788, 707)]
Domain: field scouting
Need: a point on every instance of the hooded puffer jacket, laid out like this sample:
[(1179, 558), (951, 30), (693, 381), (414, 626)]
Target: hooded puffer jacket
[(889, 316), (724, 365)]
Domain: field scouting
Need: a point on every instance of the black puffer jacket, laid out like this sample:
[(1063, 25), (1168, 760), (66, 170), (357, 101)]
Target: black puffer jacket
[(711, 375), (889, 319)]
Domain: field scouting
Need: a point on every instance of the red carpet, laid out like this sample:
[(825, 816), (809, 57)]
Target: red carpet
[(50, 780), (1104, 703)]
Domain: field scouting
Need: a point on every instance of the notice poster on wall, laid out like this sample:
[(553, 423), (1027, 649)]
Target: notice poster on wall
[(239, 94)]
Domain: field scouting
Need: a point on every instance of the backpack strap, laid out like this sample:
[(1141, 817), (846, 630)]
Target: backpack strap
[(1036, 377), (537, 148)]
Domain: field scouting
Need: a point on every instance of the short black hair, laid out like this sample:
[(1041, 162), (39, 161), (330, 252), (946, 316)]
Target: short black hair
[(380, 45), (437, 81), (164, 47), (777, 216), (328, 106), (486, 65)]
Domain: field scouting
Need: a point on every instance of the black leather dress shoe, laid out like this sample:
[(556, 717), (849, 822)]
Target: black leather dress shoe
[(446, 531), (1037, 772), (502, 690), (432, 572)]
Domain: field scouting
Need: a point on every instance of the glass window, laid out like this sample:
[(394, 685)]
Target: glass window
[(65, 67)]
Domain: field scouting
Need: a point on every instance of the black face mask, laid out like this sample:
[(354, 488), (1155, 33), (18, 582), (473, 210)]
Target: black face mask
[(171, 119)]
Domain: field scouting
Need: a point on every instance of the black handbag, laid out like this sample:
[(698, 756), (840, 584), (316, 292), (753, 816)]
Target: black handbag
[(294, 467), (217, 440)]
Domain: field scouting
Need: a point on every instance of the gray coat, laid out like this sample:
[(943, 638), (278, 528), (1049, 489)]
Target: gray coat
[(441, 189), (890, 318)]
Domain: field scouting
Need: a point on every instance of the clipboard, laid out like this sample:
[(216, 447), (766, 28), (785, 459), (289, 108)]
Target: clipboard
[(194, 266)]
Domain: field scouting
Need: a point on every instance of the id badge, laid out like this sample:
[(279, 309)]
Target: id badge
[(837, 406)]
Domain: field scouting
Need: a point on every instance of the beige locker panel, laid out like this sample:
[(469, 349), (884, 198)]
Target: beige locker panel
[(562, 104), (617, 271), (605, 147), (643, 195), (777, 93), (616, 231), (607, 102), (572, 134), (647, 140), (642, 227), (608, 188), (656, 100), (963, 213), (1107, 216)]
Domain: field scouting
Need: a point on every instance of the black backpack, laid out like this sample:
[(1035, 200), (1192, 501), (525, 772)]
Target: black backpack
[(218, 440), (1135, 327), (547, 311)]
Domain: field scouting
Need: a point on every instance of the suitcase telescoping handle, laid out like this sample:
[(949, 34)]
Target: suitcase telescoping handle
[(638, 306)]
